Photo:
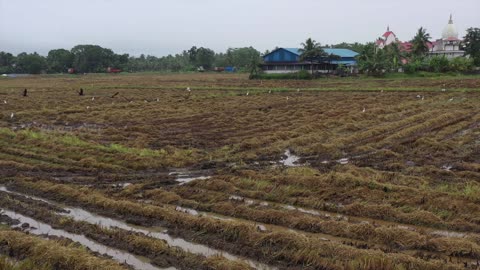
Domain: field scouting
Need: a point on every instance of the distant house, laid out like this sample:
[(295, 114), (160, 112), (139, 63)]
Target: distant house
[(448, 45), (287, 60)]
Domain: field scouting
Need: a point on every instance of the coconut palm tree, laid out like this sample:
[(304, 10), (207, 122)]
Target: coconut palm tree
[(311, 51), (420, 41)]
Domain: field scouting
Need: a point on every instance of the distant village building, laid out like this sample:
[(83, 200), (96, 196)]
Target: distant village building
[(386, 39), (449, 44), (287, 60), (389, 37)]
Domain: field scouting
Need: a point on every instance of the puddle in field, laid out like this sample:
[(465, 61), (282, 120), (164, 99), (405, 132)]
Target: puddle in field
[(290, 160), (448, 234), (343, 161), (159, 233), (447, 167), (40, 228), (121, 185), (4, 189), (186, 210), (79, 214), (186, 176)]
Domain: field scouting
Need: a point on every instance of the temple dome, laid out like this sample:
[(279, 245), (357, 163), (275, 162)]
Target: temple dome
[(450, 31)]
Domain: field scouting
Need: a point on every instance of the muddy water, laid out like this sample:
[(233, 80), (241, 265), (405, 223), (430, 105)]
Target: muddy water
[(159, 233), (39, 228), (353, 219), (79, 214), (184, 176), (290, 159), (4, 189)]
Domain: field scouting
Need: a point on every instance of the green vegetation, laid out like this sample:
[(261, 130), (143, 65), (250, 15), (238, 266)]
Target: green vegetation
[(472, 44)]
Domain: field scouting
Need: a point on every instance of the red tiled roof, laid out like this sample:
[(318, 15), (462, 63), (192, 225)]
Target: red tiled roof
[(406, 46), (388, 33), (452, 39)]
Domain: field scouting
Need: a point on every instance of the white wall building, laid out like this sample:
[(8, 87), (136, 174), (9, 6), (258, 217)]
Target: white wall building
[(449, 44)]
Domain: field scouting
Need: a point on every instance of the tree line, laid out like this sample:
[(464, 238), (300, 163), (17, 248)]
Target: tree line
[(94, 58), (371, 59)]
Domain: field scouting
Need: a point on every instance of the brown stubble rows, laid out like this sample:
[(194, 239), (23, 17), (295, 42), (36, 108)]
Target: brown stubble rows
[(408, 195)]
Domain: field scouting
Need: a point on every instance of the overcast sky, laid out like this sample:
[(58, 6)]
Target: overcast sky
[(162, 27)]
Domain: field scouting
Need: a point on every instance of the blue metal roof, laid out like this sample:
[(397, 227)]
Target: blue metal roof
[(335, 51), (293, 50), (341, 52)]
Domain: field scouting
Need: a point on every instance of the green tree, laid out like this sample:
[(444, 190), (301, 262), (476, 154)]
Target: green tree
[(439, 64), (192, 54), (461, 64), (372, 60), (311, 51), (7, 60), (419, 43), (242, 58), (393, 55), (205, 58), (59, 60), (92, 58), (472, 44), (30, 63)]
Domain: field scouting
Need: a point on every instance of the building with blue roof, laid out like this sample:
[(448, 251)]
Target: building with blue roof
[(287, 60)]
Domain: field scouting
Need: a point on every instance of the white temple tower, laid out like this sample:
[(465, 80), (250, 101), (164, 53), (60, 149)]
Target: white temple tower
[(449, 44)]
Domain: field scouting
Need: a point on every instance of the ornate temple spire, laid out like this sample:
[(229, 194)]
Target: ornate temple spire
[(451, 20)]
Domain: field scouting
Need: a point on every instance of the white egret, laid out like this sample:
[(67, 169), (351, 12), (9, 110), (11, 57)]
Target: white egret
[(364, 109), (12, 115)]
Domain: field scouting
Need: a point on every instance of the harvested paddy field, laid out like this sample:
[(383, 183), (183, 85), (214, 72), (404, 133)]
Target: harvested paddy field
[(236, 174)]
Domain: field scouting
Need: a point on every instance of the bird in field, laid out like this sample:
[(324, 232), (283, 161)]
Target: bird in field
[(298, 89), (88, 107), (443, 89), (269, 91), (451, 99), (93, 98), (418, 96), (188, 89), (5, 102), (145, 101), (288, 98), (12, 115), (158, 99), (423, 97), (248, 93), (364, 109)]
